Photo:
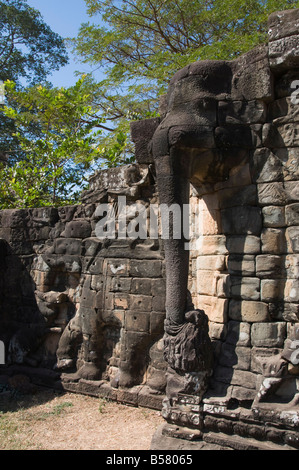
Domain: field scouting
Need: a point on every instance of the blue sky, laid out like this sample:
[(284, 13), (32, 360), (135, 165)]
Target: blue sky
[(64, 17)]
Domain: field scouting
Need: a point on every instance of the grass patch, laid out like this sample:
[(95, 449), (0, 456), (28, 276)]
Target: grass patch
[(18, 417), (12, 427)]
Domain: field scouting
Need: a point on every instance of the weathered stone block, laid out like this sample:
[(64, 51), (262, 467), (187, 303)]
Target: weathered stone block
[(272, 289), (247, 288), (293, 332), (284, 311), (242, 395), (146, 268), (292, 237), (238, 333), (137, 321), (269, 266), (247, 244), (247, 379), (5, 234), (283, 24), (223, 285), (13, 218), (290, 162), (158, 303), (292, 190), (116, 267), (272, 194), (233, 136), (158, 287), (92, 265), (67, 246), (291, 291), (284, 53), (292, 266), (243, 195), (88, 319), (215, 308), (239, 176), (256, 66), (119, 284), (191, 136), (282, 111), (273, 241), (203, 79), (37, 234), (113, 318), (241, 265), (91, 247), (141, 134), (97, 282), (268, 335), (202, 112), (206, 283), (157, 323), (236, 357), (274, 216), (88, 298), (281, 136), (259, 355), (241, 112), (292, 214), (236, 377), (211, 263), (208, 222), (141, 302), (122, 301), (257, 135), (141, 286), (77, 229), (211, 245), (248, 311), (265, 166), (242, 220), (99, 300), (217, 331)]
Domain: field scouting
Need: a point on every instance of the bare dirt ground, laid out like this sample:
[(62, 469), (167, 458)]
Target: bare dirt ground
[(48, 420)]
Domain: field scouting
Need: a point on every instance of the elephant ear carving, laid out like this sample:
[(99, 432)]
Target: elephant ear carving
[(187, 347)]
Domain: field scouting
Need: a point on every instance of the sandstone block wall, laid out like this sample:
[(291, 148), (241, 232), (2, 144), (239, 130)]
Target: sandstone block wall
[(89, 310)]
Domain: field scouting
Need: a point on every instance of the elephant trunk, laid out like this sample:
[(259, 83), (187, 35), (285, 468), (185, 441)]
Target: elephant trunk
[(174, 196)]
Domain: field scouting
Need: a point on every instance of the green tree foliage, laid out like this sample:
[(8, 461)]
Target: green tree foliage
[(29, 49), (58, 159), (140, 44), (29, 52)]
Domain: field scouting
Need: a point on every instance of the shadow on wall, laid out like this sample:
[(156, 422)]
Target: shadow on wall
[(89, 309), (30, 319), (246, 267)]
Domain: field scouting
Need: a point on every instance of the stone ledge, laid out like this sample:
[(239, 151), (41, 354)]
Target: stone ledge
[(211, 441), (162, 442), (240, 443), (136, 396)]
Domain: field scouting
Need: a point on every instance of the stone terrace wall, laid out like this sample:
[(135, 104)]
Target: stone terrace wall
[(81, 311), (90, 313), (244, 259)]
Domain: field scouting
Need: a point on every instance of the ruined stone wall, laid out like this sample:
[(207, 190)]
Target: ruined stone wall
[(245, 262), (84, 312), (91, 312), (237, 123)]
